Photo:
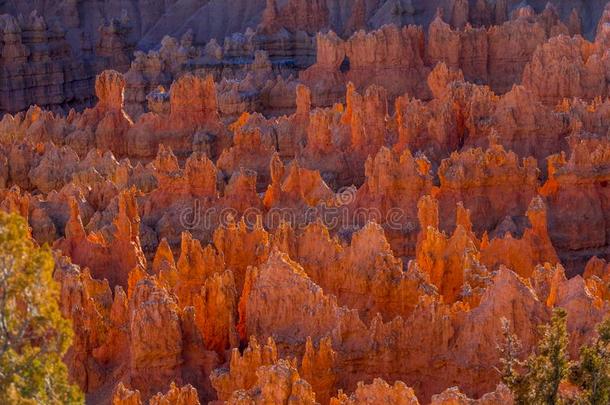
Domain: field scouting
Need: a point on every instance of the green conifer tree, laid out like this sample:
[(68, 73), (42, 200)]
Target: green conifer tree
[(33, 334), (536, 380), (592, 372)]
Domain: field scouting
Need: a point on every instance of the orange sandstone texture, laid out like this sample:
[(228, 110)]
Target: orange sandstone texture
[(346, 228)]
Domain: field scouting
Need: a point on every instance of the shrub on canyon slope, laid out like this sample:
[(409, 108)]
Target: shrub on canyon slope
[(33, 334), (537, 380), (592, 372)]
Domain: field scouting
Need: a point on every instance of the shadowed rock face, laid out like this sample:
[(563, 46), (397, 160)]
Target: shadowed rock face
[(52, 50), (152, 19), (319, 209)]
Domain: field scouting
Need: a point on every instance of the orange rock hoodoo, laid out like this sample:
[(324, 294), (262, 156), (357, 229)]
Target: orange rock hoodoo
[(335, 206)]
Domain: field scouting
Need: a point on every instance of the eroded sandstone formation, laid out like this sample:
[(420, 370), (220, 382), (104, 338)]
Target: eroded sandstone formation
[(55, 52), (306, 202)]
